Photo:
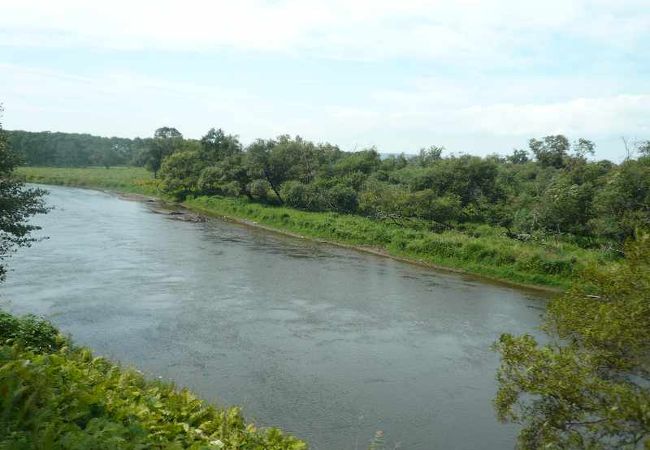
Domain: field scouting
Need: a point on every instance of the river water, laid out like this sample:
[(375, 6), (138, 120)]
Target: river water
[(327, 343)]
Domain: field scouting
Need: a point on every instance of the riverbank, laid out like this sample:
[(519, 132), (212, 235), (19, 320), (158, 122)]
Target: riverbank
[(548, 265), (57, 395)]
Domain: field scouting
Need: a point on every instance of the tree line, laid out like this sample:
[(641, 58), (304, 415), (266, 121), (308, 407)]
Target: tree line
[(553, 187), (57, 149)]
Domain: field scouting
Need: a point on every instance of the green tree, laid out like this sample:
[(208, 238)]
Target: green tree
[(166, 140), (551, 151), (429, 155), (518, 156), (17, 205), (623, 202), (216, 145), (280, 160), (229, 177), (589, 387), (180, 173)]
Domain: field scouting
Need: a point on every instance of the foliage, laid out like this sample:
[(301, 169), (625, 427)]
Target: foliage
[(55, 395), (217, 146), (29, 332), (560, 193), (17, 205), (180, 173), (165, 142), (74, 150), (551, 151), (589, 387)]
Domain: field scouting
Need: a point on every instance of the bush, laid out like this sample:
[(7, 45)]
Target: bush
[(342, 199), (30, 332), (259, 189), (301, 196)]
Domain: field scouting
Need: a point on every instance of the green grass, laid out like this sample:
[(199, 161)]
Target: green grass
[(485, 251), (56, 396), (120, 179)]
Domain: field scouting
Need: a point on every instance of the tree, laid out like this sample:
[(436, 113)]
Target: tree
[(216, 145), (280, 160), (518, 156), (17, 205), (583, 147), (180, 173), (550, 151), (166, 140), (589, 387), (429, 155), (230, 176), (623, 203), (643, 147)]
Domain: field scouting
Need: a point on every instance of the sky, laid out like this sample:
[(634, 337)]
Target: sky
[(474, 76)]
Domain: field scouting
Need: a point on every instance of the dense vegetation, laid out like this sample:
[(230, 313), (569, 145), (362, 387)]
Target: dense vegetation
[(589, 387), (559, 193), (56, 396), (17, 205), (56, 149)]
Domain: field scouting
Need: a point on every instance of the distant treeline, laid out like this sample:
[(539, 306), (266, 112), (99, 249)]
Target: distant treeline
[(56, 149)]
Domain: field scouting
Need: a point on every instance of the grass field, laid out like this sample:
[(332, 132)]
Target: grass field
[(119, 179), (485, 252)]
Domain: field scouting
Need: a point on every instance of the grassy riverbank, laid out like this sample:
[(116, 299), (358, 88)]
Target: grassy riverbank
[(485, 251), (119, 179), (56, 395)]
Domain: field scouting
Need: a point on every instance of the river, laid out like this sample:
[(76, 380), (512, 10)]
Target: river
[(327, 343)]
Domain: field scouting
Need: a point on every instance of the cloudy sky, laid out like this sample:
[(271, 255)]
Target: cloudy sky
[(477, 76)]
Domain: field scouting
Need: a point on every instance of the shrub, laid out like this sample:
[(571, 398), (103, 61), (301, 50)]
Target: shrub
[(29, 331), (343, 199)]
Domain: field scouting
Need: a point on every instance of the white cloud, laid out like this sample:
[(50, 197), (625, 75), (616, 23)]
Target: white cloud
[(591, 117), (361, 29)]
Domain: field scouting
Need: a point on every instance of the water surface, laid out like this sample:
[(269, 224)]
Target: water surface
[(327, 343)]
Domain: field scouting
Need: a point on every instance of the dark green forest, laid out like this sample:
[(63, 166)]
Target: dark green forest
[(57, 149)]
